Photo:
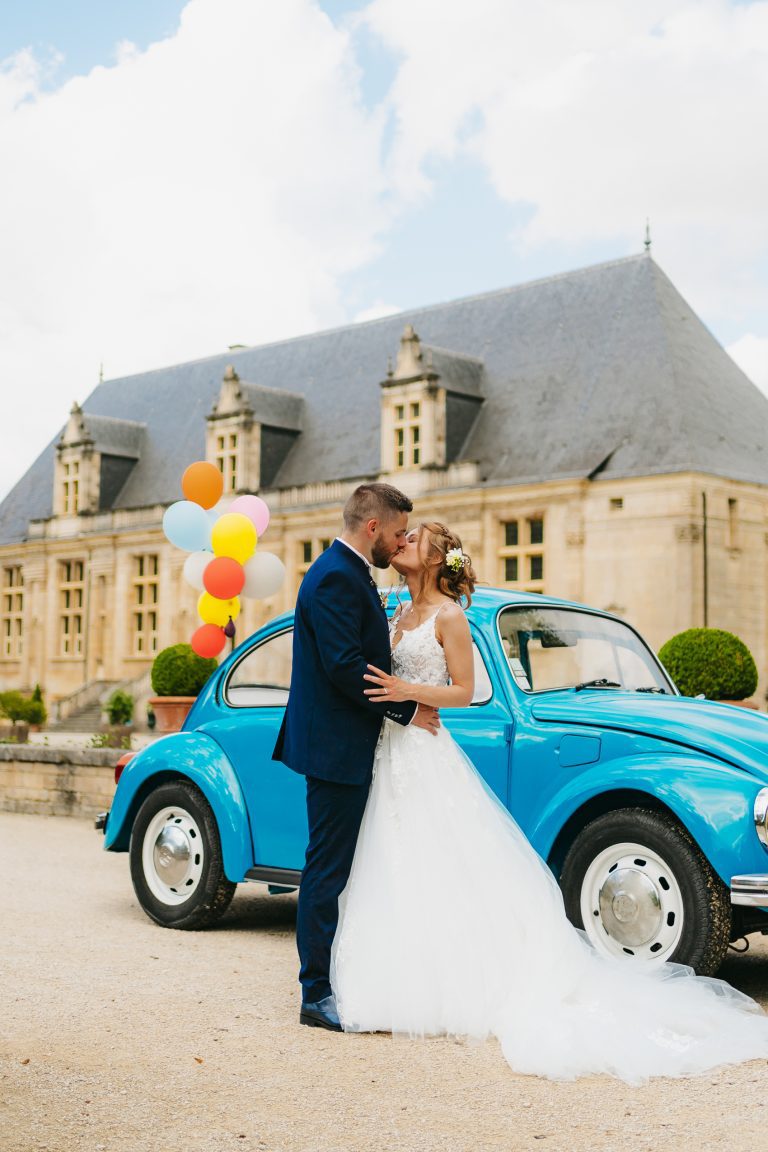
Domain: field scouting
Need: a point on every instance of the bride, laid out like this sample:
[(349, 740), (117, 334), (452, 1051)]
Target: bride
[(452, 924)]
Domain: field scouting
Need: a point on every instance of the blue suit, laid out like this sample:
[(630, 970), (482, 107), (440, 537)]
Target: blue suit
[(329, 735)]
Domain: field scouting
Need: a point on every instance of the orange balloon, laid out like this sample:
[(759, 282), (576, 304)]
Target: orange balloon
[(203, 484)]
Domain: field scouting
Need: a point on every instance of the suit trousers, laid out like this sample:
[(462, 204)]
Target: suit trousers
[(335, 812)]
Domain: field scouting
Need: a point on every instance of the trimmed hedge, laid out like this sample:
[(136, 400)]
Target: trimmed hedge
[(178, 671), (712, 662)]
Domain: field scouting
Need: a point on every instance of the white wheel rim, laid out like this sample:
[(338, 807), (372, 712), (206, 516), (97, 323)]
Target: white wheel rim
[(172, 856), (631, 904)]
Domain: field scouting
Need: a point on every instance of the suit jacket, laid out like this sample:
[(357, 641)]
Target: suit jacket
[(331, 727)]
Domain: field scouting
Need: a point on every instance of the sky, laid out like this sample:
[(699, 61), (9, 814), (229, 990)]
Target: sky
[(178, 177)]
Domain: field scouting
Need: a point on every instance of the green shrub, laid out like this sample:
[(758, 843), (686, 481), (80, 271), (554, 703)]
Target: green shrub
[(711, 662), (36, 713), (22, 709), (178, 671), (120, 707), (14, 706)]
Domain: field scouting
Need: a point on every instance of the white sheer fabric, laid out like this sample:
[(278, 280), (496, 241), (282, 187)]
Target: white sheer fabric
[(451, 923)]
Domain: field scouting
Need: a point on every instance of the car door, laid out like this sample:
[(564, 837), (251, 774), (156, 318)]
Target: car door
[(254, 696)]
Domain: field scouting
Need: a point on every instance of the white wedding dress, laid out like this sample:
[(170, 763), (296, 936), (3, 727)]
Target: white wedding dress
[(451, 923)]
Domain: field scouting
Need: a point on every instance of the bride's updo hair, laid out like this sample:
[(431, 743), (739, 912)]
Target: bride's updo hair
[(456, 579)]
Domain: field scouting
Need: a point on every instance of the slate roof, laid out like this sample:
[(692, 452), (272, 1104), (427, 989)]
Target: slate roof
[(603, 369), (274, 407), (115, 437)]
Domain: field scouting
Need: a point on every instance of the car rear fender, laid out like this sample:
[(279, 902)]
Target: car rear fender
[(712, 801), (190, 756)]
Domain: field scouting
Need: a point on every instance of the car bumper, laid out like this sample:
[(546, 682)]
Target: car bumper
[(750, 891), (100, 823)]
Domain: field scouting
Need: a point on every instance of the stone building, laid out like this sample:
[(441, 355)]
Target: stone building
[(585, 435)]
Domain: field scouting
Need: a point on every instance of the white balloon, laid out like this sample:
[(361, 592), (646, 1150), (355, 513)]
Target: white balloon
[(264, 573), (194, 566)]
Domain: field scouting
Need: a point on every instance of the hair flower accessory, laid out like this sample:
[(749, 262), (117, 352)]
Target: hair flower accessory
[(455, 559)]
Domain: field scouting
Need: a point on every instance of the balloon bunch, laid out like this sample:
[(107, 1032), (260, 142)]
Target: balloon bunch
[(223, 564)]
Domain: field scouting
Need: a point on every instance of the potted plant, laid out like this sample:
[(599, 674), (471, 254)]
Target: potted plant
[(15, 707), (712, 663), (119, 709), (177, 676)]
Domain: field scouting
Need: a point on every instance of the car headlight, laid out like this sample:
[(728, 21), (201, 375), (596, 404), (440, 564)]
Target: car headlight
[(761, 816)]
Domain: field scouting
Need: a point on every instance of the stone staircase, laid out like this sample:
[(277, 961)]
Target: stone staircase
[(82, 711), (87, 719)]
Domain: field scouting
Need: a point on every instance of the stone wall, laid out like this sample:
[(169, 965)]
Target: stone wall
[(57, 781)]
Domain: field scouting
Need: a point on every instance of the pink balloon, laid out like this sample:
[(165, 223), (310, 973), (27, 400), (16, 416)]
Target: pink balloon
[(255, 509)]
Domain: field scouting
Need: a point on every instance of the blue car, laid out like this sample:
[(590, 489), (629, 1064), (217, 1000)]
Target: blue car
[(650, 808)]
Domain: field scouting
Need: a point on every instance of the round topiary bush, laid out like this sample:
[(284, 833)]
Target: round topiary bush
[(178, 671), (711, 662)]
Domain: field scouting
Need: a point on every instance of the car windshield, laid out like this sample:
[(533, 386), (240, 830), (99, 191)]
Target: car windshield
[(550, 648)]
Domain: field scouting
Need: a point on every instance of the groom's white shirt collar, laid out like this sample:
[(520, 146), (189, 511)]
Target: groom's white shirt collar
[(364, 559)]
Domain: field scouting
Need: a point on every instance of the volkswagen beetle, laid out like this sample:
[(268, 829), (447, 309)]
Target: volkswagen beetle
[(650, 808)]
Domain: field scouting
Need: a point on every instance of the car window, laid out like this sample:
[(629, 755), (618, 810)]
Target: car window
[(263, 676), (550, 648)]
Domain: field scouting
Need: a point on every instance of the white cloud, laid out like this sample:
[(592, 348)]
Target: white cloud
[(751, 354), (376, 311), (598, 114), (210, 190)]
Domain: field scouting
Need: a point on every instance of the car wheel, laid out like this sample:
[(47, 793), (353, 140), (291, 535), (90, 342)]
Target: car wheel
[(639, 886), (176, 864)]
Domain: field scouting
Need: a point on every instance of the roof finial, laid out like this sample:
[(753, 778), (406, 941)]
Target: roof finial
[(101, 372), (647, 241)]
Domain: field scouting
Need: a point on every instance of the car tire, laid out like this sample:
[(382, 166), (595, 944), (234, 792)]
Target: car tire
[(639, 886), (176, 862)]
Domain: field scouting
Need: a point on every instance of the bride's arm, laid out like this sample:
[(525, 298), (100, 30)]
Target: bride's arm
[(457, 645)]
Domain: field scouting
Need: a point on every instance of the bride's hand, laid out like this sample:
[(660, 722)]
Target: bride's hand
[(387, 687)]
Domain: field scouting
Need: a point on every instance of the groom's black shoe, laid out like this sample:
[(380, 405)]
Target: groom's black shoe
[(321, 1014)]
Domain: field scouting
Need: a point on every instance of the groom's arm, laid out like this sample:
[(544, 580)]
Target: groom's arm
[(336, 612)]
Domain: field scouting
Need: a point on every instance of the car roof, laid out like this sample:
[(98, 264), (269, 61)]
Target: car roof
[(486, 603)]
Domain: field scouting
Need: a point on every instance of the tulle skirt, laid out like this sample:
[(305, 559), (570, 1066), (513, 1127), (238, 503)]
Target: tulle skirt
[(452, 924)]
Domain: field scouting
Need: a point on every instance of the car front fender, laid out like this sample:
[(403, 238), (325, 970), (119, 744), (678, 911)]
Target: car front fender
[(713, 801), (192, 756)]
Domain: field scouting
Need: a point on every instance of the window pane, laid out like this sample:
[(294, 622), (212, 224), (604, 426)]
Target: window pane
[(536, 567), (510, 534), (510, 568), (399, 412), (536, 530), (262, 678), (415, 411), (306, 551)]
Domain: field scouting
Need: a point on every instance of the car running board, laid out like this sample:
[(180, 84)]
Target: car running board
[(279, 878)]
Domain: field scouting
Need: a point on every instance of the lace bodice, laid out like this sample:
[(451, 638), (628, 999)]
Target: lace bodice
[(417, 656)]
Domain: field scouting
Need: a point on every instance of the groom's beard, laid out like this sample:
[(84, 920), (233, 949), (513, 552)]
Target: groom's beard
[(381, 555)]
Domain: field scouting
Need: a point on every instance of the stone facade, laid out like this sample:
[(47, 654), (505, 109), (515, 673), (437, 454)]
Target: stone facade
[(661, 521)]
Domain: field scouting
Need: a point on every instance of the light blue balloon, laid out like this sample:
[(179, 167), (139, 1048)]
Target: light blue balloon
[(187, 526)]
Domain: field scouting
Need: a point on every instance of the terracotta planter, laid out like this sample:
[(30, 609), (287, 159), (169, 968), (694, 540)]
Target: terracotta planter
[(742, 704), (171, 711)]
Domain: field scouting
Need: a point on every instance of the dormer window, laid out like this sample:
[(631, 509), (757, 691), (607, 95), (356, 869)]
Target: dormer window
[(95, 457), (251, 430), (408, 435), (226, 460), (70, 497), (429, 403)]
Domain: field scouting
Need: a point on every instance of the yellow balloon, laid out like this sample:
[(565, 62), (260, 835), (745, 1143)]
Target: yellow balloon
[(234, 535), (213, 611)]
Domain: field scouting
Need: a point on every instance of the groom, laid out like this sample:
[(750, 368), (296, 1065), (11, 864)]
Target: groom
[(331, 727)]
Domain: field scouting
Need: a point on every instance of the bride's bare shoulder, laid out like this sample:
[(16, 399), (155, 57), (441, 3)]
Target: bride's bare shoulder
[(451, 619)]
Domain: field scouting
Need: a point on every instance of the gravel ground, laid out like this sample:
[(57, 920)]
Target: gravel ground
[(119, 1036)]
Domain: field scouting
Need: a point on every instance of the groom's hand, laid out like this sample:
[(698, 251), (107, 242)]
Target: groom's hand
[(428, 718)]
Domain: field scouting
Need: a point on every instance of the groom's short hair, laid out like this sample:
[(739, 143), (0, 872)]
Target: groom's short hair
[(374, 502)]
